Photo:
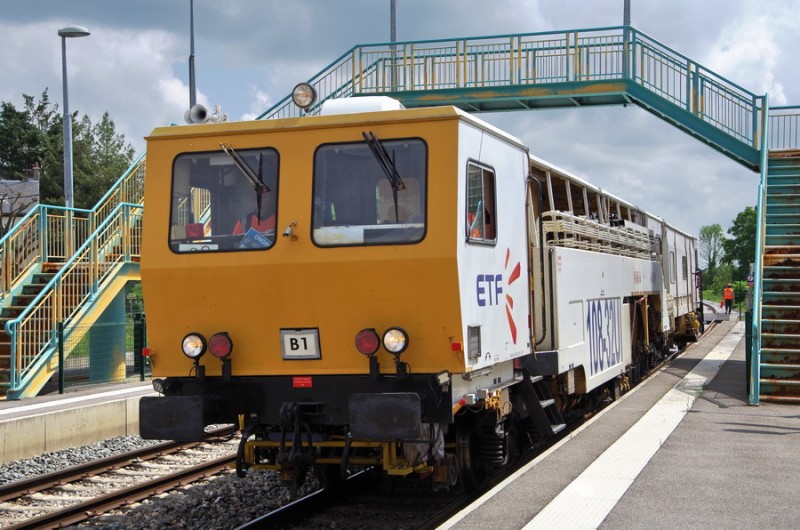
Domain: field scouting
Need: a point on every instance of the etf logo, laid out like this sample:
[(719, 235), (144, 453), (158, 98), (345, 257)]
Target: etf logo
[(489, 287)]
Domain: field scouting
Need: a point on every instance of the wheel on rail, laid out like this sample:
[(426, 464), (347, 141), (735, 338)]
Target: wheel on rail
[(482, 447), (329, 475)]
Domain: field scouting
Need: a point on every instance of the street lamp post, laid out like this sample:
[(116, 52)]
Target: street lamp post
[(192, 90), (64, 33)]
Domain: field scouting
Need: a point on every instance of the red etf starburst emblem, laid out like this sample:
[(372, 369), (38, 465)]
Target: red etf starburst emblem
[(514, 276)]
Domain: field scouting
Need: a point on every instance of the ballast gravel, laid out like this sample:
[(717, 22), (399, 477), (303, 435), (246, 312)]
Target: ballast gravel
[(64, 458), (224, 501)]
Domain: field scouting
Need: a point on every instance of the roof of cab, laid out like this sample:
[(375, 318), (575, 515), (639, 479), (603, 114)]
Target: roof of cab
[(333, 120)]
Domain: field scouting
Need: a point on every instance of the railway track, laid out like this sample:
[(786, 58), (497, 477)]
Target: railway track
[(363, 502), (358, 506), (79, 493)]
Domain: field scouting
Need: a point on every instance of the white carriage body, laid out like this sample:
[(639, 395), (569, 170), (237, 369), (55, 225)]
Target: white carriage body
[(570, 299), (493, 278), (603, 260), (592, 297)]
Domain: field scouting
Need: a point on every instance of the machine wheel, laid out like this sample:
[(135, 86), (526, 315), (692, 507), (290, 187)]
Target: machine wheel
[(482, 447), (471, 471), (330, 475)]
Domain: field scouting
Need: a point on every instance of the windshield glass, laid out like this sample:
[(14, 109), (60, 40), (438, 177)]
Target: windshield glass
[(224, 200), (362, 198)]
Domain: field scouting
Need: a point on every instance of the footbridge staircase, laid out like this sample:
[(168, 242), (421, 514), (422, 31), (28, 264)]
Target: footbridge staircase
[(591, 67), (64, 266)]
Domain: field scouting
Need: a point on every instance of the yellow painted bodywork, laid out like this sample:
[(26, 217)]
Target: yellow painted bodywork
[(295, 284)]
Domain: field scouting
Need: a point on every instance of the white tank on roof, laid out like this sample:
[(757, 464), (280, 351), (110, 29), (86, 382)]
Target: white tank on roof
[(359, 104)]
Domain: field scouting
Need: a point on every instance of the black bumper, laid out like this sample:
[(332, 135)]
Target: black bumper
[(385, 408), (180, 418)]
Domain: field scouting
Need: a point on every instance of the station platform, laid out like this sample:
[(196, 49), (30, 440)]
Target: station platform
[(682, 450), (50, 422)]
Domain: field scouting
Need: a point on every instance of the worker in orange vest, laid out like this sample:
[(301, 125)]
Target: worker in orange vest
[(727, 296), (262, 219)]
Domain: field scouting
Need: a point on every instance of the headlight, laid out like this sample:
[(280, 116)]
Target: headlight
[(304, 95), (395, 340), (367, 341), (161, 385), (193, 345), (220, 345)]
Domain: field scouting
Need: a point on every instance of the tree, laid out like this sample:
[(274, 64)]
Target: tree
[(711, 245), (740, 290), (109, 157), (100, 155), (49, 123), (740, 249), (19, 143)]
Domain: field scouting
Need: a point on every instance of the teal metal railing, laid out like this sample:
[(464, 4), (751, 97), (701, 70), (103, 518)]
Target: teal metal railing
[(63, 235), (52, 233), (784, 128), (116, 241), (599, 54), (758, 281), (41, 235)]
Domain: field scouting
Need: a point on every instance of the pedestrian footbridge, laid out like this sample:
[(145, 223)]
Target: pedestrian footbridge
[(532, 71)]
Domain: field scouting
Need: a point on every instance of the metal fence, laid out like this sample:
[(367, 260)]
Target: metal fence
[(592, 54), (103, 353), (784, 127)]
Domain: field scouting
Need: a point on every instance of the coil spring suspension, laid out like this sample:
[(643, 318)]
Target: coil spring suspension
[(491, 438)]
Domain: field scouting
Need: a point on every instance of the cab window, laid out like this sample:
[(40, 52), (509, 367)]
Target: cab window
[(480, 214), (224, 200), (370, 193)]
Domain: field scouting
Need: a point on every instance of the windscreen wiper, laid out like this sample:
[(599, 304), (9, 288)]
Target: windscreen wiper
[(244, 167), (255, 179), (386, 163), (388, 166)]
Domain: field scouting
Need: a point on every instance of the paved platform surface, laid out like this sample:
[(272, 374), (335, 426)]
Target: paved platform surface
[(82, 396), (683, 450)]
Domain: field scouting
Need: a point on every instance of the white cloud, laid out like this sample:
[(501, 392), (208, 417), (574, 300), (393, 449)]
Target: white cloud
[(749, 60), (261, 101)]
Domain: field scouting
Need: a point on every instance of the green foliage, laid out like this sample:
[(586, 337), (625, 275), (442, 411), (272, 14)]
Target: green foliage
[(740, 289), (35, 134), (740, 249), (715, 281), (19, 146), (710, 245), (727, 259)]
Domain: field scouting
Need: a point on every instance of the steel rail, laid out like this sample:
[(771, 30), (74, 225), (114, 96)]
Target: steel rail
[(82, 511), (21, 488)]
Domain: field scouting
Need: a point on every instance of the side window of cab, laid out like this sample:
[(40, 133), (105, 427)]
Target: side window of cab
[(480, 221)]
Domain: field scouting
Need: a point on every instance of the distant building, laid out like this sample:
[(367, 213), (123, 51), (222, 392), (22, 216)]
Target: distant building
[(19, 196)]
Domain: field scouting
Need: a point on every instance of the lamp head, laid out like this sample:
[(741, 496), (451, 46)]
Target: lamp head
[(73, 31)]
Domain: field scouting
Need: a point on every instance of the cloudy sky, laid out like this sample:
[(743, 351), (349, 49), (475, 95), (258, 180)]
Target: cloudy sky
[(250, 53)]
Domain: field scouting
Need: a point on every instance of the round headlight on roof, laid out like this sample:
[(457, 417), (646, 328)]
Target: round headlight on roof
[(395, 340), (304, 95), (193, 345)]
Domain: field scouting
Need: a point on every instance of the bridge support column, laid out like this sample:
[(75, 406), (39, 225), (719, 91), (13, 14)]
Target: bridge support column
[(107, 343)]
